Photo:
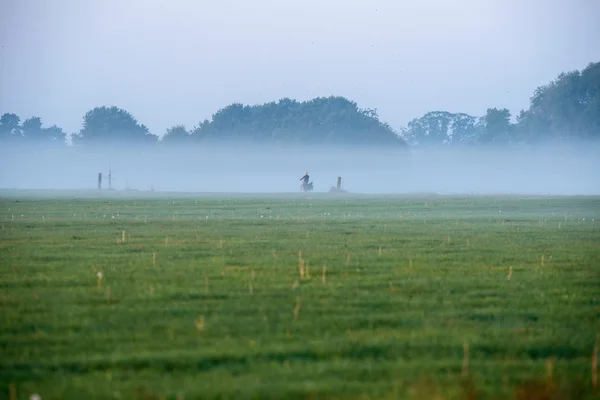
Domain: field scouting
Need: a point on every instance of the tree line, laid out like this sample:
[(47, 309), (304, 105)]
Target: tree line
[(566, 108)]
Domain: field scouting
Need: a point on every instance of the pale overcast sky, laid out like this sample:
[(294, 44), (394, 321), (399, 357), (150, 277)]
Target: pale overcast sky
[(179, 61)]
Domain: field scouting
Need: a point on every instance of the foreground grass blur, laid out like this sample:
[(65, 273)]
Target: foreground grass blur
[(298, 296)]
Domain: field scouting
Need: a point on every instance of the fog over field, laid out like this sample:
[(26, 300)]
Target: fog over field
[(560, 169)]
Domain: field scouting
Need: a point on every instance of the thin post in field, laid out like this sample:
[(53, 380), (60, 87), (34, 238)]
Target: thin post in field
[(595, 366), (465, 364), (300, 264)]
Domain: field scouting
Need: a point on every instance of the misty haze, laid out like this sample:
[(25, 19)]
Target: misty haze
[(561, 169)]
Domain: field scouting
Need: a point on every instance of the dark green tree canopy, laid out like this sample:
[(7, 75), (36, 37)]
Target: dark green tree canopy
[(176, 135), (441, 128), (323, 120), (10, 128), (568, 107), (30, 131), (112, 125), (33, 132), (497, 126)]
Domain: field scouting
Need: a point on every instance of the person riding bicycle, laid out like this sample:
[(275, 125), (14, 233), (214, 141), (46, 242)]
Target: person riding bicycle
[(305, 178)]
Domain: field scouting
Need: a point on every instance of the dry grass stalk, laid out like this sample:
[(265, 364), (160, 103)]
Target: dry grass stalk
[(465, 365), (153, 258), (379, 250), (99, 279), (542, 263), (509, 273), (549, 368), (199, 323), (250, 283), (12, 390), (323, 278), (123, 237), (595, 366), (300, 264), (297, 308)]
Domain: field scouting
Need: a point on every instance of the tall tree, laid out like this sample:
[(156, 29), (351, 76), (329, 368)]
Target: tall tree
[(112, 125), (497, 126), (437, 128), (33, 132), (32, 128), (55, 134), (566, 108), (465, 129), (176, 135), (333, 120), (10, 128)]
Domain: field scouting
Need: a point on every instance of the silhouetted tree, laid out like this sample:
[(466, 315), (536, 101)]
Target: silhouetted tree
[(566, 108), (33, 132), (10, 128), (441, 128), (112, 125), (332, 120), (498, 128), (176, 135)]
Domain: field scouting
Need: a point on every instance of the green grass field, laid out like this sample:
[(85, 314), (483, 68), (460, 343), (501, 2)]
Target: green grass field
[(289, 296)]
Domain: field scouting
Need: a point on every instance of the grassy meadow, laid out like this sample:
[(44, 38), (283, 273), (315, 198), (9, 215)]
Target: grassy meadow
[(114, 295)]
